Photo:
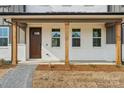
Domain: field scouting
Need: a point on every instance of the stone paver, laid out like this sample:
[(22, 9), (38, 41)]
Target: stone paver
[(20, 77)]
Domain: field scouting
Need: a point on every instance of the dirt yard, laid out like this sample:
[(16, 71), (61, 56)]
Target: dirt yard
[(59, 76), (4, 69)]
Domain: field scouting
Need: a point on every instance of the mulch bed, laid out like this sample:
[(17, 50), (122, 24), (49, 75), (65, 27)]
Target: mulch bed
[(72, 67)]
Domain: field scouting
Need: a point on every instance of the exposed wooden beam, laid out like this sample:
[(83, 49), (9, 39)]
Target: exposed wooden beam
[(14, 43), (22, 25), (67, 43), (72, 20), (118, 43), (109, 24)]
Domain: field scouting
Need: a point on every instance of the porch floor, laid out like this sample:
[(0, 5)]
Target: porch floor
[(71, 62)]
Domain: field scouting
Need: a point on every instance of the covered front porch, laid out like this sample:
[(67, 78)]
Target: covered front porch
[(44, 23)]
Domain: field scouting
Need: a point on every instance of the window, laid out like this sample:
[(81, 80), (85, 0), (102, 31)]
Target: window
[(110, 35), (96, 37), (55, 37), (75, 37), (4, 35)]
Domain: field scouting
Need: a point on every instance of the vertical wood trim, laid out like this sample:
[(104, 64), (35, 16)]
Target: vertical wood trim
[(118, 43), (14, 43), (67, 43)]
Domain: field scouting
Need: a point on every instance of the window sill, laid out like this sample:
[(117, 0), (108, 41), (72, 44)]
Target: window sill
[(110, 44), (76, 47), (56, 47), (98, 47), (3, 47)]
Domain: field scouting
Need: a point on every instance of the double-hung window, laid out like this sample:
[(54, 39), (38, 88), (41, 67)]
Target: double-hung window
[(75, 37), (96, 37), (55, 37), (4, 36)]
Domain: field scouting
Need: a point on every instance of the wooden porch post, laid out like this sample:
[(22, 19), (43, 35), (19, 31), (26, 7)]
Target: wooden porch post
[(67, 43), (118, 43), (14, 43)]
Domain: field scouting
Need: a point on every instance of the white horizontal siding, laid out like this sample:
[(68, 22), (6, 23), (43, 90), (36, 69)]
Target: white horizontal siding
[(85, 52), (5, 52)]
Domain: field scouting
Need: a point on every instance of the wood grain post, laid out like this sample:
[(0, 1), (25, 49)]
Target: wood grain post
[(118, 43), (67, 43), (14, 43)]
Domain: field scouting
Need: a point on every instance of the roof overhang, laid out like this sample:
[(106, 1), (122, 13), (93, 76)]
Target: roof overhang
[(64, 16), (61, 15)]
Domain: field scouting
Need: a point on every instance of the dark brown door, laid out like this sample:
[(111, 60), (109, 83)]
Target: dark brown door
[(35, 42)]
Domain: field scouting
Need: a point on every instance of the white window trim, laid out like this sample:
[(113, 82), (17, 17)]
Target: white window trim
[(55, 38), (76, 37), (5, 36), (97, 38)]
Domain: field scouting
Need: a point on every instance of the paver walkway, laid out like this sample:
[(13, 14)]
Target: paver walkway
[(20, 77)]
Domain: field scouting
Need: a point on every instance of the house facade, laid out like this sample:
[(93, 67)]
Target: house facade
[(85, 34)]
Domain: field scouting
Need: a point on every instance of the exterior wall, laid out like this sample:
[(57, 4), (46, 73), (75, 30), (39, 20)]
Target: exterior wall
[(66, 8), (48, 53), (86, 52), (5, 52)]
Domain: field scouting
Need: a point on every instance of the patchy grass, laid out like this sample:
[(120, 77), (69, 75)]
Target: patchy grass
[(61, 76)]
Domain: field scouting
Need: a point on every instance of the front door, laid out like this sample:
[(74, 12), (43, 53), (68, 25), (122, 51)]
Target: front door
[(35, 42)]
